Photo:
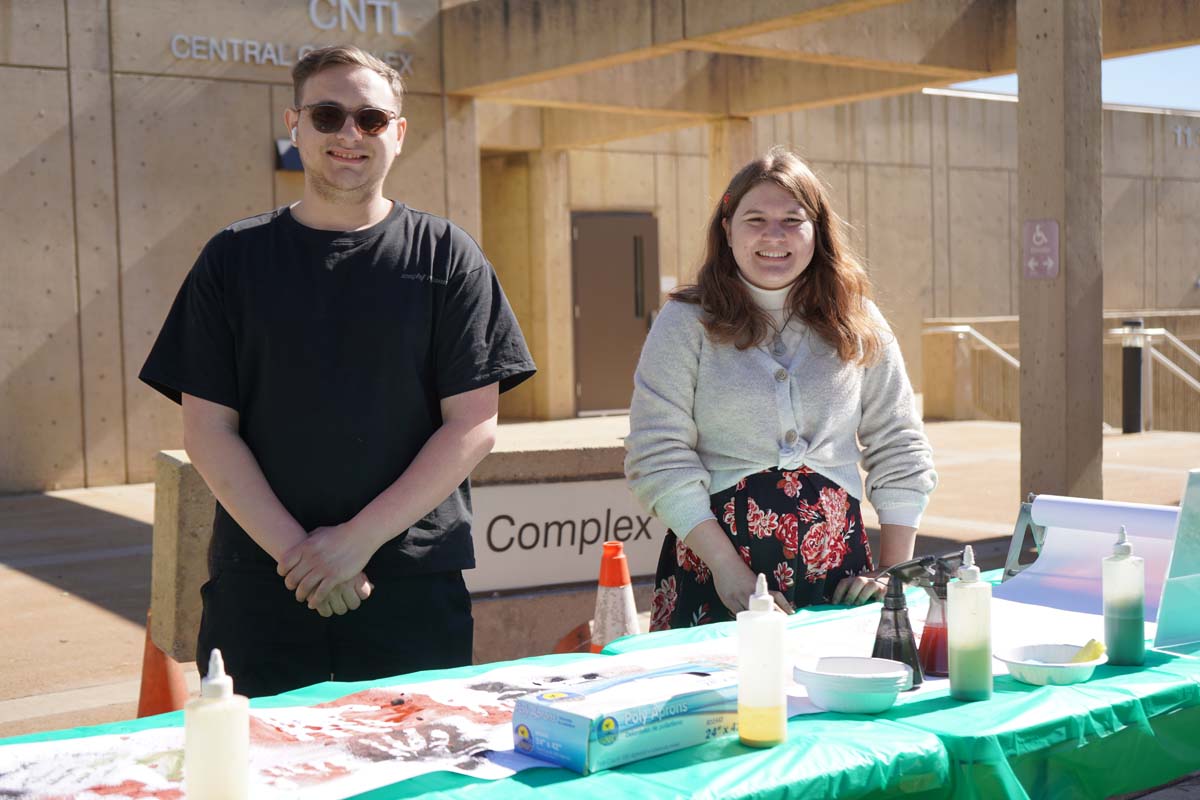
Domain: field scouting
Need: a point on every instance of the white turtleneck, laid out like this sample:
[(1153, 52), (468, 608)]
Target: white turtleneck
[(788, 333)]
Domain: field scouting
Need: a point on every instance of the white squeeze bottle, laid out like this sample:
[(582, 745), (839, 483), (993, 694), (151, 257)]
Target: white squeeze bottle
[(762, 673), (216, 729), (1123, 579), (969, 632)]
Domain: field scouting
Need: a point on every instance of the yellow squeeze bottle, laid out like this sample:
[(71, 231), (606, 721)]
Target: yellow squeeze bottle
[(762, 675), (216, 736)]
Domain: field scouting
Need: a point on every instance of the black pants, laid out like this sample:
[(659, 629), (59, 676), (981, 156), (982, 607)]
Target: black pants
[(271, 643)]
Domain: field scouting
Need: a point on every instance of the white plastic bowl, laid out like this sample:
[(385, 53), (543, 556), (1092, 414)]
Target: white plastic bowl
[(1048, 664), (853, 684)]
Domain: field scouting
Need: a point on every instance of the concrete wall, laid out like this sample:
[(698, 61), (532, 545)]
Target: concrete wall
[(123, 159), (929, 184), (521, 192)]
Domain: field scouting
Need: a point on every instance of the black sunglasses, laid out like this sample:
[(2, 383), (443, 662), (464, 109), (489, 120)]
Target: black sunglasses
[(330, 117)]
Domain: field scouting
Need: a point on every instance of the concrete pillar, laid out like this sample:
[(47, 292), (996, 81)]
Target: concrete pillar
[(1061, 296), (939, 164), (183, 517), (100, 358), (948, 376), (463, 196), (730, 146), (551, 337)]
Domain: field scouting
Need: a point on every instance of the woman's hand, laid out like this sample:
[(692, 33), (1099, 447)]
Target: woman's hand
[(896, 543), (859, 589), (733, 580)]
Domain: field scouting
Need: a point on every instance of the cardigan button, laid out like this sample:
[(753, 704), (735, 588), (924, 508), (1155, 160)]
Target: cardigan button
[(781, 375), (790, 437)]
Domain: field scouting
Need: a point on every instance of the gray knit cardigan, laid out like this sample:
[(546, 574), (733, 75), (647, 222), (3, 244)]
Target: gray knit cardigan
[(705, 415)]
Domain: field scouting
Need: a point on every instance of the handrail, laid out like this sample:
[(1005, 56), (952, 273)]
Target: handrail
[(1174, 368), (1183, 348), (1004, 355), (1144, 337)]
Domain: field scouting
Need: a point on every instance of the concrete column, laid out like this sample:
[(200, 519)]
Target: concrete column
[(939, 163), (948, 377), (730, 146), (98, 272), (463, 197), (183, 514), (1059, 183), (551, 339)]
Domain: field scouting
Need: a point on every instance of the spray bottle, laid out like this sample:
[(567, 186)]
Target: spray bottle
[(762, 691), (933, 652), (969, 639), (216, 752), (894, 636), (1123, 580)]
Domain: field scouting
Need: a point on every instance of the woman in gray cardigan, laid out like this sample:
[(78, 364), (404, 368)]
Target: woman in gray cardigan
[(758, 391)]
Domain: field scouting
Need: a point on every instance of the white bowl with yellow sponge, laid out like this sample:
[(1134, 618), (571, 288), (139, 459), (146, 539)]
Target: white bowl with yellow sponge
[(1054, 664)]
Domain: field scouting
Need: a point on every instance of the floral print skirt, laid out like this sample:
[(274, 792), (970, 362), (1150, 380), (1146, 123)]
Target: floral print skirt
[(796, 526)]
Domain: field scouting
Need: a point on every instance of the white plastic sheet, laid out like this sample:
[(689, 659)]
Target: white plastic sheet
[(1079, 534)]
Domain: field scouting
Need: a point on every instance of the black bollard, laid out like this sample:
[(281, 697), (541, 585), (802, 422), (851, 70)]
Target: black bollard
[(1131, 379)]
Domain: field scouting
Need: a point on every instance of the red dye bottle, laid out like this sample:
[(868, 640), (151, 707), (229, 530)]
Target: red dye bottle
[(935, 659), (933, 652)]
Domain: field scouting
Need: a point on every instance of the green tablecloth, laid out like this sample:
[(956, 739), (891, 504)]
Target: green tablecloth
[(1124, 730), (860, 758)]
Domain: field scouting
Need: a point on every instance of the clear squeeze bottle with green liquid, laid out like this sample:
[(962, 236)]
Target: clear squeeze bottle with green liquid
[(969, 632), (1123, 579)]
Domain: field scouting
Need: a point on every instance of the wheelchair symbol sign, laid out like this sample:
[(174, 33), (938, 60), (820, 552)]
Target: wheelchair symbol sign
[(1039, 253)]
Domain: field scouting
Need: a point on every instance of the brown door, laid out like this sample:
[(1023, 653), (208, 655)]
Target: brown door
[(614, 262)]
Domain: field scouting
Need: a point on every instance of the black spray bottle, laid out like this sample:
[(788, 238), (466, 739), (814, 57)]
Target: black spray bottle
[(894, 637)]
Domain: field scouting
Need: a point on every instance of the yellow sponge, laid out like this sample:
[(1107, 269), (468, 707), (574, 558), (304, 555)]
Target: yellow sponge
[(1089, 652)]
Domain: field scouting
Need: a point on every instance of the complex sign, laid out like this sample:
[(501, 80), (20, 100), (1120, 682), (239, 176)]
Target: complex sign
[(543, 534), (372, 17)]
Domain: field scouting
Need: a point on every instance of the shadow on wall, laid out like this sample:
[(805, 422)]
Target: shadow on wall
[(43, 392), (96, 555)]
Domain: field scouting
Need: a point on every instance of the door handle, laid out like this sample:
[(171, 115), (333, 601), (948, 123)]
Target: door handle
[(639, 278)]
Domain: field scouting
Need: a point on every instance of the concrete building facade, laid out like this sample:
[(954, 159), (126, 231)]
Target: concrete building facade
[(138, 129)]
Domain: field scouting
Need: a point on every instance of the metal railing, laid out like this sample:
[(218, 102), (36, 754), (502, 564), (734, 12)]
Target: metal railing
[(967, 330), (1144, 337)]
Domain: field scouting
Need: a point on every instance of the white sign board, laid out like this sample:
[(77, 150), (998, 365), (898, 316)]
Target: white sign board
[(542, 534)]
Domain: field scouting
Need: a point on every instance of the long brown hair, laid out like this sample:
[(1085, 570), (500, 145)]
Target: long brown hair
[(829, 294)]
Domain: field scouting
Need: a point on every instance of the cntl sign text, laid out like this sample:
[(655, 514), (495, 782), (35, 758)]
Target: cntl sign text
[(365, 16), (381, 17)]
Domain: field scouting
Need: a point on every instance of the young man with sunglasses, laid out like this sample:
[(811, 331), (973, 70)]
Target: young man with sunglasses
[(339, 363)]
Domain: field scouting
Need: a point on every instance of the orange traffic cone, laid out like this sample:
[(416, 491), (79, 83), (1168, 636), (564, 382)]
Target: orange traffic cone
[(163, 686), (616, 612)]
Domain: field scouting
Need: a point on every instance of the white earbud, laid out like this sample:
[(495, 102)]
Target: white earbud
[(293, 135)]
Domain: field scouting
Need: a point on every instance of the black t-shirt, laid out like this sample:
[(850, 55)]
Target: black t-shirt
[(335, 349)]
